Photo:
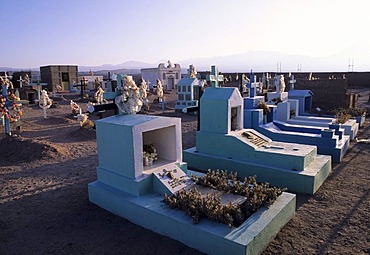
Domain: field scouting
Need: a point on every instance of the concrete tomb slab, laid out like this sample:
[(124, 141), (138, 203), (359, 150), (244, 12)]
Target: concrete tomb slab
[(222, 143), (128, 188)]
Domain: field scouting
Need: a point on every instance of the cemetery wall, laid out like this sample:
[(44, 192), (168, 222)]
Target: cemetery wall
[(358, 79), (328, 94), (354, 79)]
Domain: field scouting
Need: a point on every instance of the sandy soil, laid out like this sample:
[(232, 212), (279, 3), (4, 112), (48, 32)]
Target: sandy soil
[(44, 207)]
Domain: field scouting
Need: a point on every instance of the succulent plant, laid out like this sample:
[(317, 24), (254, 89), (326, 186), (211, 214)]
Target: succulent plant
[(198, 205)]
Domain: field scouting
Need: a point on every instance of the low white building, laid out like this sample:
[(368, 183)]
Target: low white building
[(169, 74)]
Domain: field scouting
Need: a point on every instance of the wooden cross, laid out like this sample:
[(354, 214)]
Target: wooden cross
[(214, 77), (82, 85), (292, 81)]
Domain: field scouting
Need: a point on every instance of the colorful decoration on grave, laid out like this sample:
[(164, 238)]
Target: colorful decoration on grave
[(198, 205), (11, 103)]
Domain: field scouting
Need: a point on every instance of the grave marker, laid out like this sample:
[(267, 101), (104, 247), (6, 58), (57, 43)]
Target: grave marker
[(252, 85), (20, 81), (6, 105), (45, 102), (215, 77), (292, 82)]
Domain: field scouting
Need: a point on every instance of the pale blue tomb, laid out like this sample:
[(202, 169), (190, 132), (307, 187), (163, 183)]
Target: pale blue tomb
[(129, 189), (223, 143)]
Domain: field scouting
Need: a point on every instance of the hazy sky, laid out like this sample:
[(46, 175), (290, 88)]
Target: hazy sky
[(88, 32)]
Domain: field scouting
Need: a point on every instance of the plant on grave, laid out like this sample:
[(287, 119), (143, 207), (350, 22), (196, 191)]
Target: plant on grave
[(342, 117), (149, 152), (292, 113), (357, 111), (197, 205), (262, 105), (276, 100)]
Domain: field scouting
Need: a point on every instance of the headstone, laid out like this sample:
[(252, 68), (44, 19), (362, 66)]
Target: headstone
[(292, 82), (279, 95), (20, 81), (215, 77), (252, 85)]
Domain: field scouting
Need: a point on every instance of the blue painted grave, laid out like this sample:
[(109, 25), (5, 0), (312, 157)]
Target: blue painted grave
[(223, 143), (128, 186)]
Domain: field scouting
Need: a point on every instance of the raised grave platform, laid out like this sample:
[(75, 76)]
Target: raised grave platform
[(131, 190), (252, 237)]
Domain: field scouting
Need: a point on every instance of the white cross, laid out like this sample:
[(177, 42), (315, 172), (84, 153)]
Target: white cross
[(20, 81), (292, 81), (148, 82)]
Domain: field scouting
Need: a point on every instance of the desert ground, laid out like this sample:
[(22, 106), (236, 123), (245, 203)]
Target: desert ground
[(44, 205)]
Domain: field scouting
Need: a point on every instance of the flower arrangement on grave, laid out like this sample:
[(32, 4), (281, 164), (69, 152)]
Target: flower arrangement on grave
[(292, 113), (14, 103), (353, 112), (198, 206), (342, 117), (357, 111), (74, 107), (149, 154), (130, 101), (45, 102), (262, 105)]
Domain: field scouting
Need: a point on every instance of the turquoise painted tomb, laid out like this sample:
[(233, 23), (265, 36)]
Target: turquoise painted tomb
[(223, 143), (131, 187)]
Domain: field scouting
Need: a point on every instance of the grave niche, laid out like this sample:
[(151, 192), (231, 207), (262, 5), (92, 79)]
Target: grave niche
[(31, 97), (164, 141), (235, 116)]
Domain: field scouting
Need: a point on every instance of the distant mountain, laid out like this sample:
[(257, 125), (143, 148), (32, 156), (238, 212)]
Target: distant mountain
[(258, 61), (17, 69), (268, 61), (135, 65)]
